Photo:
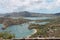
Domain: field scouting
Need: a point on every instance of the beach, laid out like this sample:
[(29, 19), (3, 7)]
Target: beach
[(32, 33)]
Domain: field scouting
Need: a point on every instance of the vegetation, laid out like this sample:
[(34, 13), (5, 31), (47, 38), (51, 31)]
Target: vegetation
[(6, 35), (33, 26), (52, 29), (41, 32)]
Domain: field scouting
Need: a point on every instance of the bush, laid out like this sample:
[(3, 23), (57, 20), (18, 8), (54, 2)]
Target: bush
[(6, 35)]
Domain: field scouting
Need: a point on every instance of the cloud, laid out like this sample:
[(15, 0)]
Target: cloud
[(21, 5)]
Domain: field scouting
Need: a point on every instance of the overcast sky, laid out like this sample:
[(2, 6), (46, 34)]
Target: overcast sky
[(42, 6)]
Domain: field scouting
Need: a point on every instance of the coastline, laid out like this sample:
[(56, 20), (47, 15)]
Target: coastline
[(32, 33)]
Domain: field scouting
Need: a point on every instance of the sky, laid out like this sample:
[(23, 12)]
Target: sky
[(40, 6)]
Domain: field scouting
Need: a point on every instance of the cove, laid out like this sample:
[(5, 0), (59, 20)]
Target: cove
[(22, 31)]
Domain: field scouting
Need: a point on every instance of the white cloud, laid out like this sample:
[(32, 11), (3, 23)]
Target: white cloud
[(15, 5)]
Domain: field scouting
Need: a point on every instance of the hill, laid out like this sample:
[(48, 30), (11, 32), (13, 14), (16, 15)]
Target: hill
[(27, 14)]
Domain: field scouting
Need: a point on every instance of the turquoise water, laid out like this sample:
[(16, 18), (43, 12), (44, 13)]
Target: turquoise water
[(22, 31), (1, 25)]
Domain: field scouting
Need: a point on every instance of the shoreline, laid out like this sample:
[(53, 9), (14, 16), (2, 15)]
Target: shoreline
[(32, 33)]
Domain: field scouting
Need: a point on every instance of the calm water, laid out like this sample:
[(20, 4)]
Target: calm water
[(41, 23), (32, 18), (22, 30), (36, 18)]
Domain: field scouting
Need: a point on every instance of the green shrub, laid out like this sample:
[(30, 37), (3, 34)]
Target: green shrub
[(7, 35)]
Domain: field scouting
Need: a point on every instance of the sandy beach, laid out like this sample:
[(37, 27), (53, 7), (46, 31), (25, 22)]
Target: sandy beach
[(32, 33)]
